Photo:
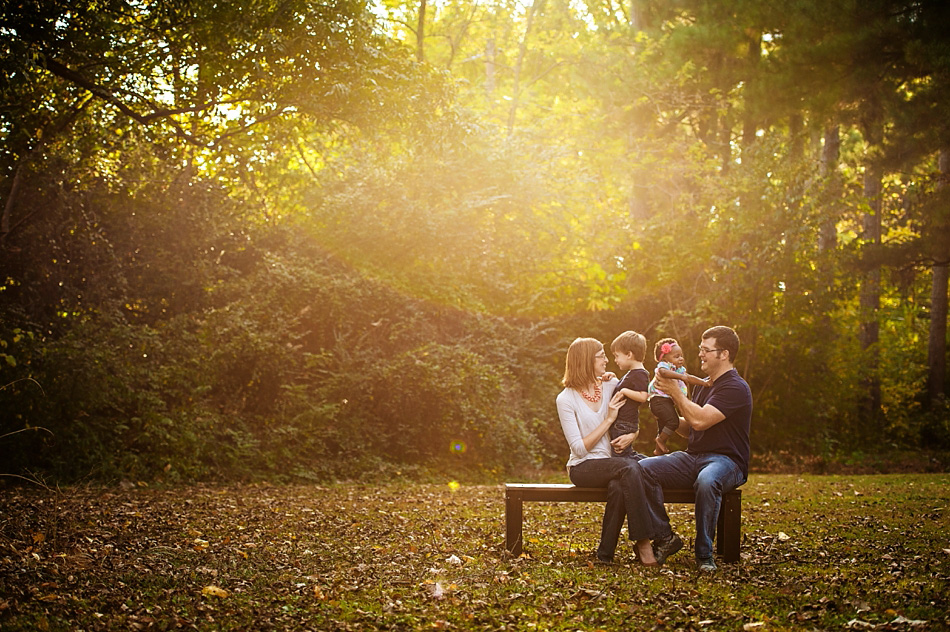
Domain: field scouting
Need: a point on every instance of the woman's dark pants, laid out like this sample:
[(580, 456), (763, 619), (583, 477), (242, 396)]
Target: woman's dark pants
[(625, 499)]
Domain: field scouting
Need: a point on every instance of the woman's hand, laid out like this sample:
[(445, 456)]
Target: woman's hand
[(622, 442), (614, 405)]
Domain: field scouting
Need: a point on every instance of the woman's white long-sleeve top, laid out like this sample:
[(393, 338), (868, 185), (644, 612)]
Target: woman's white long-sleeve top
[(578, 421)]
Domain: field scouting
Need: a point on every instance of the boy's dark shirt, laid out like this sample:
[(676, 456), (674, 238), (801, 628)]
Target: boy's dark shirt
[(628, 417)]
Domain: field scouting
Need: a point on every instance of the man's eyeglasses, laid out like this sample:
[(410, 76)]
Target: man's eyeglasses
[(703, 350)]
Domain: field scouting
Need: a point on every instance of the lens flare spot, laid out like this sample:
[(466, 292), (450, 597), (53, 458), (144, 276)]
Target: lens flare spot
[(454, 486), (458, 447)]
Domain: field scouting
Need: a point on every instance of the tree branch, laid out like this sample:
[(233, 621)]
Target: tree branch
[(109, 97), (6, 219)]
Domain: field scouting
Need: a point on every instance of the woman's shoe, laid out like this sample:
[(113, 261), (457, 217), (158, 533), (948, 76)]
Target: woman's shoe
[(636, 555)]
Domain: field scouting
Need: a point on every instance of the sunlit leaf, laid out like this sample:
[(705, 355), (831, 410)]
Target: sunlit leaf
[(214, 591)]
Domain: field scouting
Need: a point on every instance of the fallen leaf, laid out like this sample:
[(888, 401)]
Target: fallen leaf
[(752, 626), (783, 536), (214, 591), (902, 620)]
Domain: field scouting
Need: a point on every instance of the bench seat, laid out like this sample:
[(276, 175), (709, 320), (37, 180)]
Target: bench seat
[(728, 530)]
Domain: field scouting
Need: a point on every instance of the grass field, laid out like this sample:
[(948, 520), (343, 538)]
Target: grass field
[(818, 552)]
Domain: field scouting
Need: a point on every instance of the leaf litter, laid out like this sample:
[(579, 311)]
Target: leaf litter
[(403, 556)]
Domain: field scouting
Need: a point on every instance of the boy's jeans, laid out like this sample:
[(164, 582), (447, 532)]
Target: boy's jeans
[(710, 476)]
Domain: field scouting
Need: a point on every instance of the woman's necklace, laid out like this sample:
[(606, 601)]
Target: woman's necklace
[(593, 398)]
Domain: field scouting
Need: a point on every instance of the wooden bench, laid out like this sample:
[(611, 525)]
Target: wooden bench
[(728, 531)]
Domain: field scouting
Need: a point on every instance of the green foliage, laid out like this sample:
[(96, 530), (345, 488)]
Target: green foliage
[(323, 374), (290, 239)]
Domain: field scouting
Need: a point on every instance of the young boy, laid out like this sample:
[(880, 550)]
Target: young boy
[(629, 349)]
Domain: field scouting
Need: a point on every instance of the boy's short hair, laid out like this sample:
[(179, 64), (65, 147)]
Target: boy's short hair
[(630, 342)]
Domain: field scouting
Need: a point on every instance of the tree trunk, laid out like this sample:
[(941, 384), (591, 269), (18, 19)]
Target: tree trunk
[(753, 57), (6, 220), (639, 15), (23, 161), (792, 215), (796, 136), (937, 342), (490, 68), (828, 235), (519, 63), (828, 231), (870, 297), (421, 32)]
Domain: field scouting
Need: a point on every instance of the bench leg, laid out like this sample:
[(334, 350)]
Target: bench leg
[(514, 515), (729, 529), (721, 527)]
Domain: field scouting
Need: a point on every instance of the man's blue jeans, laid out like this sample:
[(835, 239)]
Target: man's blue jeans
[(710, 476), (625, 499)]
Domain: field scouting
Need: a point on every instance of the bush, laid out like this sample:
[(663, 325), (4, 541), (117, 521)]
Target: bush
[(324, 374)]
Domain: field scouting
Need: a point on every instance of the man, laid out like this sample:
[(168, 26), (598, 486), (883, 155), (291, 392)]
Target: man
[(717, 421)]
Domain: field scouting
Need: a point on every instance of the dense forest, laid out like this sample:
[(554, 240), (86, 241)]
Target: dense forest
[(291, 239)]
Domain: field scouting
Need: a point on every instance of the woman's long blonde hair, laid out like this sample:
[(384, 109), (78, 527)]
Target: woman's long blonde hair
[(579, 363)]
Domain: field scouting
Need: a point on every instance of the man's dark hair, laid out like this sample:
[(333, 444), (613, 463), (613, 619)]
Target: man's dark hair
[(726, 338)]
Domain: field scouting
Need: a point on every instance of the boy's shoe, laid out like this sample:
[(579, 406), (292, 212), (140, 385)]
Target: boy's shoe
[(662, 549), (706, 566)]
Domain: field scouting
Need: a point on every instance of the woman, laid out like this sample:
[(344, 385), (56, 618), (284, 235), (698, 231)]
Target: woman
[(587, 407)]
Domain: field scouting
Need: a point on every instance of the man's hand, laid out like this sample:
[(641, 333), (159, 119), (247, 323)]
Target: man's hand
[(696, 416), (668, 386)]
